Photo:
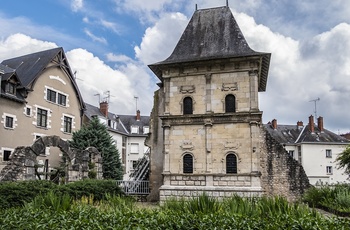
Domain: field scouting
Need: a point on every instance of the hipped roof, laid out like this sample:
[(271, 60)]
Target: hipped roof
[(213, 34)]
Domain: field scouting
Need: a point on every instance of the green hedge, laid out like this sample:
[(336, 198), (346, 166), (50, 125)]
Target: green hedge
[(14, 194)]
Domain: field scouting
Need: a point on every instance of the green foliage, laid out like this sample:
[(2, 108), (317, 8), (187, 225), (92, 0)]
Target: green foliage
[(343, 160), (96, 135), (334, 198), (13, 194), (51, 201), (88, 187), (119, 213)]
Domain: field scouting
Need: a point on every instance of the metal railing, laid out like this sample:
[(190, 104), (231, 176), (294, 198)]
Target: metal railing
[(134, 187)]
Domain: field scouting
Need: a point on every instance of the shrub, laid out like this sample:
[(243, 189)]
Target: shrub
[(14, 194), (97, 188)]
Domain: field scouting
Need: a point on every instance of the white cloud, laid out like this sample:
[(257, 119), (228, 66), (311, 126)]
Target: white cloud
[(20, 44), (301, 73), (159, 41), (94, 37), (76, 5)]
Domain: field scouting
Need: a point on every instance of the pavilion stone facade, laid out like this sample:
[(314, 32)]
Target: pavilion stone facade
[(206, 134)]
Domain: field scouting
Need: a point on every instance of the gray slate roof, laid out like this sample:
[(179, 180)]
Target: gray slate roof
[(291, 134), (28, 67), (212, 34), (126, 121)]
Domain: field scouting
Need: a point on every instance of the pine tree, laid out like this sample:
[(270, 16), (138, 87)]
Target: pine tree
[(96, 135)]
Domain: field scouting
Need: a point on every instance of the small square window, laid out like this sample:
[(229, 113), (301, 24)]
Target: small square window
[(67, 124), (291, 153), (145, 129), (41, 118), (328, 153), (9, 122), (28, 111), (51, 95), (62, 99), (10, 88), (329, 169), (6, 155), (134, 129)]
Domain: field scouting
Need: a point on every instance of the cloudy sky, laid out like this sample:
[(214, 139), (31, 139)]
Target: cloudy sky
[(109, 44)]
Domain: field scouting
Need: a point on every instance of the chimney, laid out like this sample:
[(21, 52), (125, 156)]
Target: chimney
[(274, 124), (311, 124), (104, 108), (138, 116), (320, 123)]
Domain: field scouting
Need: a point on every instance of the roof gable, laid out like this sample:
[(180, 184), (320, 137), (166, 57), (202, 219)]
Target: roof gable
[(29, 67)]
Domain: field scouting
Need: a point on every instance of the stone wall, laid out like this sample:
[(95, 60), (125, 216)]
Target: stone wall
[(24, 160), (281, 174)]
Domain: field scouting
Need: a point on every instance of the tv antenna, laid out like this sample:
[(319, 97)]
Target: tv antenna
[(315, 101)]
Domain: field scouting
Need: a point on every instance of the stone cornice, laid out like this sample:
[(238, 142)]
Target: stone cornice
[(211, 119)]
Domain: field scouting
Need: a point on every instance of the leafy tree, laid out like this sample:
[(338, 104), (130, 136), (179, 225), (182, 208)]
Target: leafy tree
[(343, 160), (96, 135)]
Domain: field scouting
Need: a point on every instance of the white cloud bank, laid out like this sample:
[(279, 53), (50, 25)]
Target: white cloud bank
[(299, 71)]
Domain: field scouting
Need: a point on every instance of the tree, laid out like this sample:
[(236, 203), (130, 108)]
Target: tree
[(343, 160), (96, 135)]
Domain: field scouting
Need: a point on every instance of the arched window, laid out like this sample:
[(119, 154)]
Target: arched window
[(231, 163), (188, 163), (187, 105), (230, 104)]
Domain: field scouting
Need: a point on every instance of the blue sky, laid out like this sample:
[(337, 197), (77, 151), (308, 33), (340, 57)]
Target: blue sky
[(110, 43)]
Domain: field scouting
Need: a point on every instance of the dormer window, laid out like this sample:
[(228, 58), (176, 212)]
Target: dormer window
[(134, 129), (145, 129), (10, 88)]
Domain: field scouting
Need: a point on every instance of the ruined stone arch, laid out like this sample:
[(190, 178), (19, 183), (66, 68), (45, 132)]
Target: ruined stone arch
[(24, 158)]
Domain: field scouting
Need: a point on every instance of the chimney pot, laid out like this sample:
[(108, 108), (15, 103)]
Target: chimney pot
[(274, 124), (104, 108), (311, 124), (138, 116), (320, 123)]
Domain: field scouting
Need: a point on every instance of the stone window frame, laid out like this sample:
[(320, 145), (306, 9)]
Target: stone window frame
[(187, 169), (27, 111), (48, 117), (235, 171), (60, 98), (224, 101), (63, 123), (182, 104), (2, 150), (6, 118)]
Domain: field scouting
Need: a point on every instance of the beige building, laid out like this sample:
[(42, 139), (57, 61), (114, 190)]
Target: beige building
[(208, 111), (39, 97), (206, 130)]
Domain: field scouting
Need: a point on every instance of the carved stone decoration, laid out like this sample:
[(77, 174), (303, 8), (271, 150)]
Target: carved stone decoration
[(187, 146), (187, 89), (229, 86), (232, 145)]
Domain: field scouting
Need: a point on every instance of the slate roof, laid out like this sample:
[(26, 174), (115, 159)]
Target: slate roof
[(291, 134), (129, 120), (126, 121), (28, 67), (212, 34), (6, 73)]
